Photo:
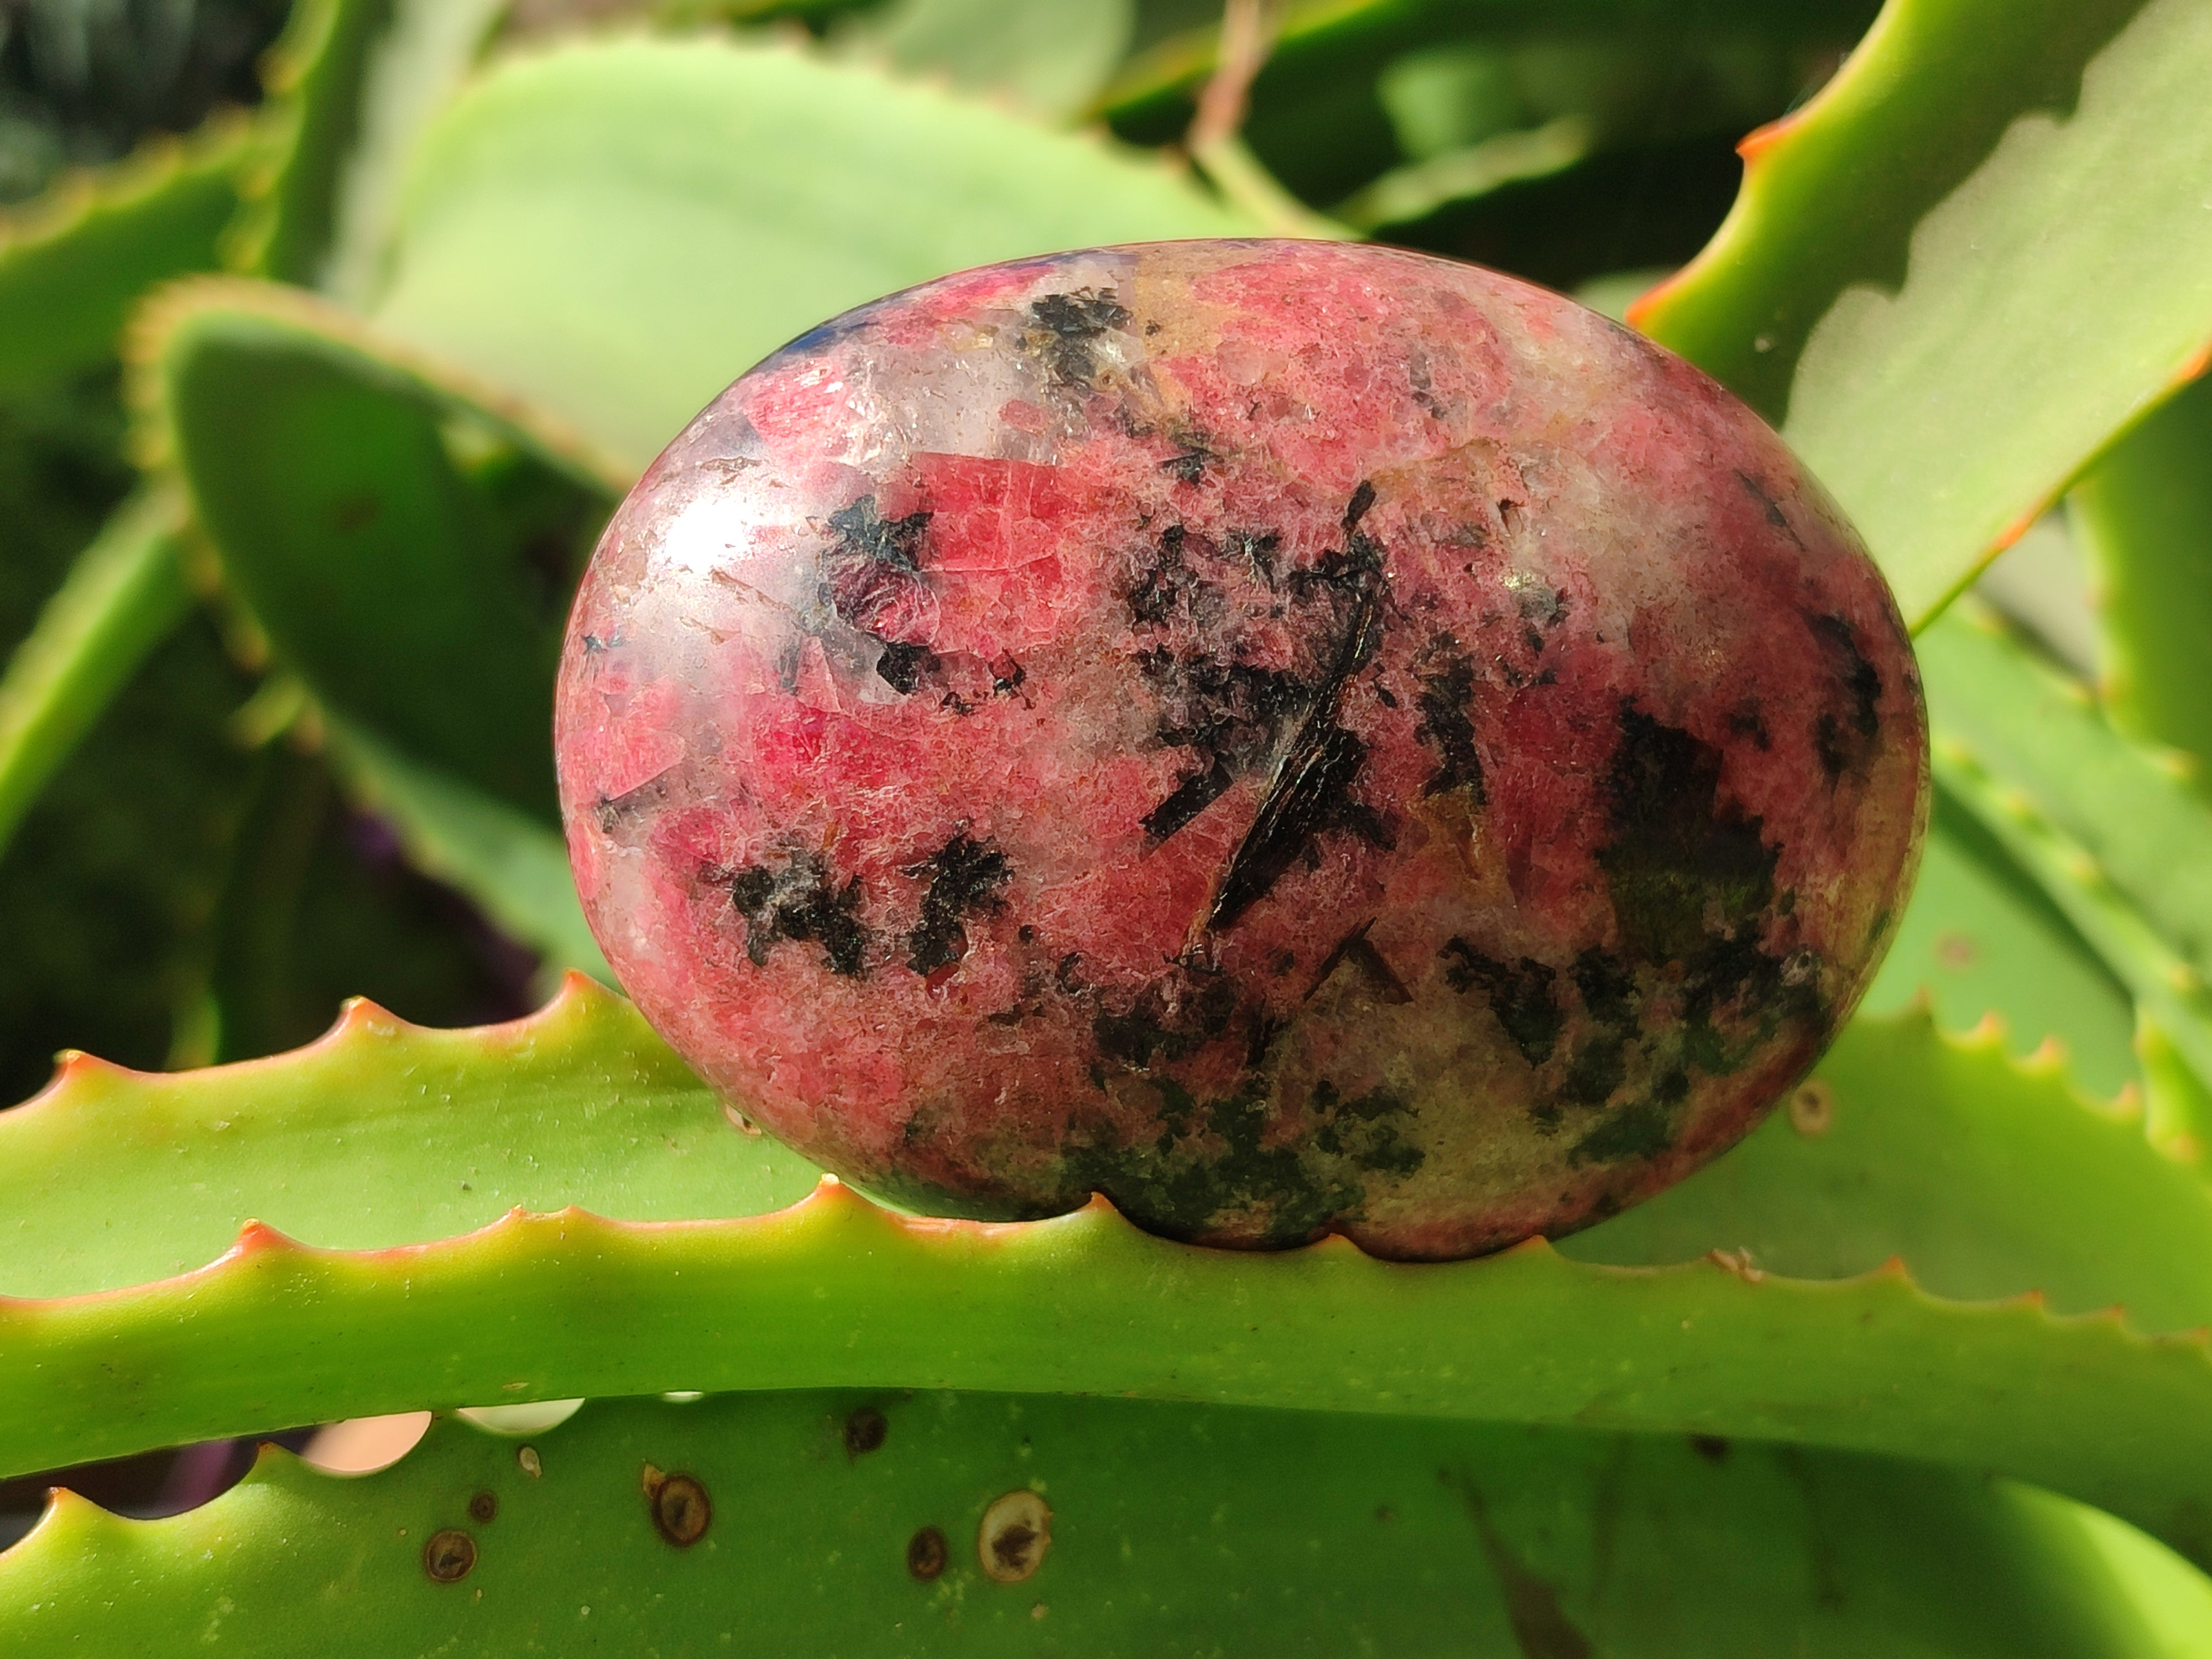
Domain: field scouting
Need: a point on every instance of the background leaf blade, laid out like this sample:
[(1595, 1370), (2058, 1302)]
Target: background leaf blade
[(672, 211), (119, 601), (1172, 1526), (2053, 276)]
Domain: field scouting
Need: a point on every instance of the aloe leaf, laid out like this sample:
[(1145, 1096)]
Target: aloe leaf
[(2143, 519), (835, 1291), (380, 1134), (2172, 1599), (1419, 188), (2168, 991), (1980, 939), (514, 866), (1930, 1118), (409, 548), (1049, 56), (1987, 1178), (350, 83), (120, 600), (1351, 35), (1322, 39), (1923, 272), (311, 77), (73, 263), (2177, 1103), (419, 60), (1173, 1529), (1931, 89), (1391, 110), (383, 1136), (2149, 832), (616, 230)]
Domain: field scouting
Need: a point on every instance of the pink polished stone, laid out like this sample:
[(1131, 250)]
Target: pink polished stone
[(1295, 737)]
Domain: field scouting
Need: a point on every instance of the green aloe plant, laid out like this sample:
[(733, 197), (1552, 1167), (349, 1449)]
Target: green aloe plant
[(1921, 1367)]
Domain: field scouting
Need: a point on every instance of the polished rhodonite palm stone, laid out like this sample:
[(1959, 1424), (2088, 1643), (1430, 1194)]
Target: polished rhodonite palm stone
[(1291, 737)]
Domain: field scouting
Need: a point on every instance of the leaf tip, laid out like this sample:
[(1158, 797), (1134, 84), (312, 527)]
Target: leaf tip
[(68, 1521), (831, 1199), (2013, 531), (1645, 310), (579, 986), (360, 1018), (76, 1069), (1739, 1263), (1761, 140), (1987, 1032), (257, 1237), (2179, 1145)]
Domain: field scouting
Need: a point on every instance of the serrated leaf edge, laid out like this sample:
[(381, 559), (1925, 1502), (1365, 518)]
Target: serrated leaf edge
[(836, 1214), (1167, 164), (176, 305), (579, 1008), (87, 193)]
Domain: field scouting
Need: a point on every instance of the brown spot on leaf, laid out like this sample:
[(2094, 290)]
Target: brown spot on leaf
[(1812, 1108), (531, 1465), (448, 1555), (681, 1509), (1015, 1533), (1713, 1448), (926, 1554), (482, 1507), (865, 1431)]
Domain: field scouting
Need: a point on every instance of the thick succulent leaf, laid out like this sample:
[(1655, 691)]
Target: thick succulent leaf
[(409, 549), (1974, 258), (1980, 939), (1173, 1529), (835, 1292), (1352, 92), (1350, 35), (381, 1133), (420, 57), (1831, 193), (1986, 1176), (1049, 56), (1344, 37), (2143, 519), (1419, 188), (1914, 1113), (384, 1136), (350, 84), (2169, 992), (2177, 1103), (2172, 1599), (2149, 832), (73, 263), (120, 601), (512, 864), (617, 229)]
